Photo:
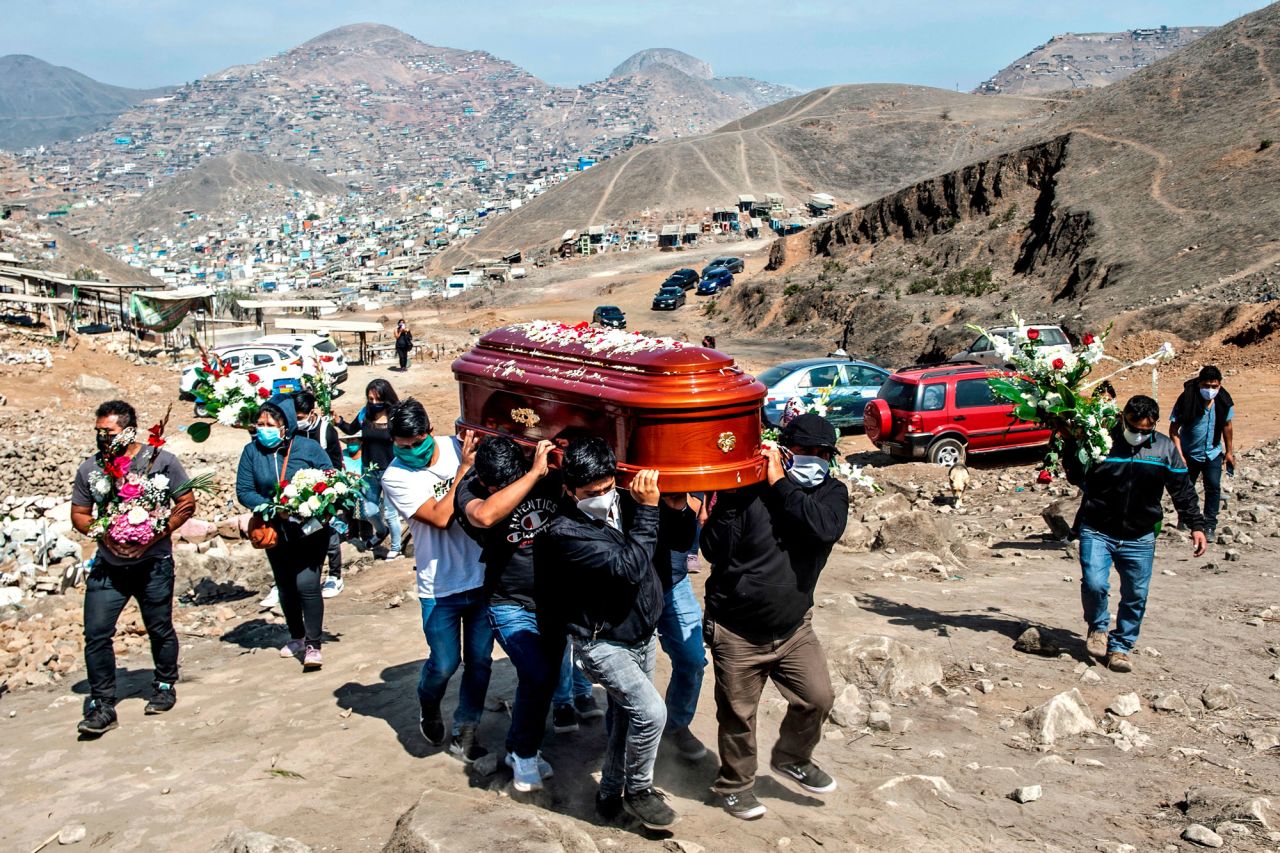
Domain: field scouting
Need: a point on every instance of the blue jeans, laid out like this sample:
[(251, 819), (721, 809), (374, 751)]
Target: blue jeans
[(1211, 470), (680, 631), (457, 630), (636, 715), (537, 662), (378, 510), (1133, 559), (572, 683)]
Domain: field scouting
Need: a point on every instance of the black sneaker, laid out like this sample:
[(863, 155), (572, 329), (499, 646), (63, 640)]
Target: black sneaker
[(650, 808), (463, 746), (807, 775), (586, 707), (163, 698), (431, 724), (99, 718), (743, 805), (563, 719), (1210, 535), (609, 807)]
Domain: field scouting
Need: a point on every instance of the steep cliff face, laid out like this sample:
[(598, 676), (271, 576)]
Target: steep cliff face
[(1056, 243)]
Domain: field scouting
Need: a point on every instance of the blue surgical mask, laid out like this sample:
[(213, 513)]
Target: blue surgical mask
[(1209, 393), (808, 471), (268, 437)]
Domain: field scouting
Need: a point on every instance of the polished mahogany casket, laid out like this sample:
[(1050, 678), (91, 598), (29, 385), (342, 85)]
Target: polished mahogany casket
[(687, 411)]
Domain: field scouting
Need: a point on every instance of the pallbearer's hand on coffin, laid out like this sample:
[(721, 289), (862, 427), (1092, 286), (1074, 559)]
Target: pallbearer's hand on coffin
[(541, 462), (773, 458), (467, 456), (644, 487)]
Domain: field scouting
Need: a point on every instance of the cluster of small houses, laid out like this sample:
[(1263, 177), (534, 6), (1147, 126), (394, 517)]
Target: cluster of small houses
[(748, 219)]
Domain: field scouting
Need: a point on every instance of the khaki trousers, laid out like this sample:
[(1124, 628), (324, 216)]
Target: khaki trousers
[(798, 667)]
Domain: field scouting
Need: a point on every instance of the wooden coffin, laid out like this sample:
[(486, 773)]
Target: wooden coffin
[(687, 411)]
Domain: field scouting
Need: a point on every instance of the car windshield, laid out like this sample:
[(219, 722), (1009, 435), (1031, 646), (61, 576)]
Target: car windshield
[(1053, 337), (899, 394), (670, 291), (326, 346), (610, 312), (774, 375)]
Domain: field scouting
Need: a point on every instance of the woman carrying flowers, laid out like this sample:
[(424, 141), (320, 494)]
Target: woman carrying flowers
[(131, 496), (268, 462)]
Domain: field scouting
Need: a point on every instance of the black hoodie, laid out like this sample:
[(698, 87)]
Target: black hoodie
[(767, 545)]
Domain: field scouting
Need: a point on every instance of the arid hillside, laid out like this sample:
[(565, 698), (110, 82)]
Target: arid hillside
[(1158, 189)]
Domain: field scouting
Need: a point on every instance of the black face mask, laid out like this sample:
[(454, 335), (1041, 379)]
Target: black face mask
[(376, 407)]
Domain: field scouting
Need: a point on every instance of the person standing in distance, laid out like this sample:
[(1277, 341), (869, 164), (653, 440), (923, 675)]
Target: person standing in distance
[(1202, 429)]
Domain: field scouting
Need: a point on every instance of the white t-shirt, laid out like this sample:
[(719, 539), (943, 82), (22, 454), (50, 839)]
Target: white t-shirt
[(448, 561)]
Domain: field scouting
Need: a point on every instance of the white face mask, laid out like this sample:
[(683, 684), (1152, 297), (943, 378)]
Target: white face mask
[(1135, 438), (808, 471), (1209, 393), (601, 507)]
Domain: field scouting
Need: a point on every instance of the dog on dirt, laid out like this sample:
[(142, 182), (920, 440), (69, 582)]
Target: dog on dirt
[(958, 477)]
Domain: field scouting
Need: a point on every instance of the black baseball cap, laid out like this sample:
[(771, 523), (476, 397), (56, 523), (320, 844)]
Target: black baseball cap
[(809, 430)]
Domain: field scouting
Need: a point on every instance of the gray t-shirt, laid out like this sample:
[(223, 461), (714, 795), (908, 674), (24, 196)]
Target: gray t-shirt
[(165, 463)]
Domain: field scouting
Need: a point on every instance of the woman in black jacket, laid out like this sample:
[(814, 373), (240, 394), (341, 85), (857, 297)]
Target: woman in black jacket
[(376, 454), (273, 456)]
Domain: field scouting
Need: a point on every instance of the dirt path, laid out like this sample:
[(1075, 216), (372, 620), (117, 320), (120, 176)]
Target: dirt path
[(333, 758), (1157, 175)]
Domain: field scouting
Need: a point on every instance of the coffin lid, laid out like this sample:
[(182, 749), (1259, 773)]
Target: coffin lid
[(622, 350)]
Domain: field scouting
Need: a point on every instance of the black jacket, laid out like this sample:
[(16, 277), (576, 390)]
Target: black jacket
[(594, 582), (326, 436), (1190, 408), (1121, 495), (767, 545)]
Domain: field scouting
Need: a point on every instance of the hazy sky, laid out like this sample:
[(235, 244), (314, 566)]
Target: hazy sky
[(806, 43)]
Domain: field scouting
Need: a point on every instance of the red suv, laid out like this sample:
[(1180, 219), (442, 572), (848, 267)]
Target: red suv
[(943, 413)]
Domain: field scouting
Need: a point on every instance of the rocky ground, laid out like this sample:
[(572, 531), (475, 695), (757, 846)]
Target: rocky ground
[(945, 736), (968, 717)]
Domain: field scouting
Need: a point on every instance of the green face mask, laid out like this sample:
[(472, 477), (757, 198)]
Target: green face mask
[(416, 458)]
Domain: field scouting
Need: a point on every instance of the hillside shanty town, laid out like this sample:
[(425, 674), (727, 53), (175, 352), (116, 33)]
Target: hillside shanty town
[(837, 430)]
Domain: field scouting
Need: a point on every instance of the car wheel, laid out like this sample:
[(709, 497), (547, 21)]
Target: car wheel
[(946, 452)]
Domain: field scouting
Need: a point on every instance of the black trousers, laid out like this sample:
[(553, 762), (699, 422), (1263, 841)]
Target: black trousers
[(297, 564), (1210, 470), (404, 358), (107, 590), (335, 554)]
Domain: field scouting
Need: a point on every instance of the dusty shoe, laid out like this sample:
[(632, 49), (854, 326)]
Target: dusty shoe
[(463, 746), (99, 718), (587, 708), (431, 724), (608, 806), (312, 659), (1119, 662), (689, 747), (526, 774), (564, 719), (1210, 535), (162, 699), (650, 808), (1096, 644), (292, 649), (743, 805), (807, 775)]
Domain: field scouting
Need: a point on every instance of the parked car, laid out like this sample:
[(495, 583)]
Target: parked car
[(283, 366), (610, 316), (684, 279), (943, 413), (716, 280), (320, 347), (1051, 338), (855, 383), (732, 264), (668, 299)]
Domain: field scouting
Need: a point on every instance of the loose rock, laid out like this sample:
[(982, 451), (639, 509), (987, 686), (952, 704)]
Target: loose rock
[(1202, 835)]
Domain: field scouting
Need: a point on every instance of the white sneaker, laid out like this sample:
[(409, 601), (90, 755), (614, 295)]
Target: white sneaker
[(292, 649), (528, 773), (392, 555), (332, 586), (272, 599)]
